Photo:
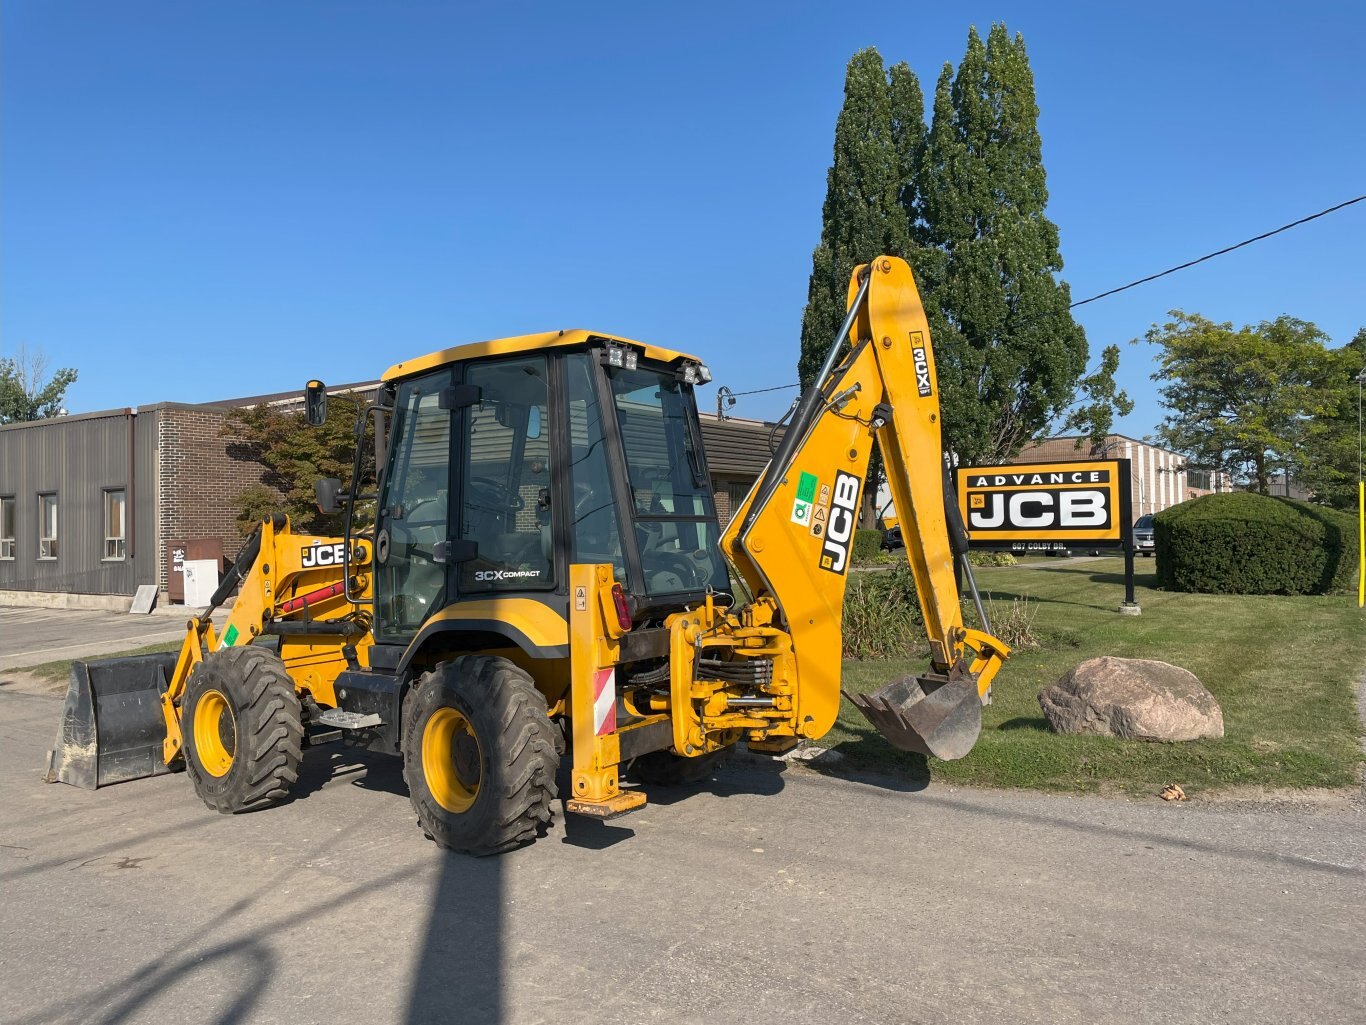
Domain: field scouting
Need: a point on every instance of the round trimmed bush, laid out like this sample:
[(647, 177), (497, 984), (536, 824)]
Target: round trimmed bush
[(867, 545), (1242, 543)]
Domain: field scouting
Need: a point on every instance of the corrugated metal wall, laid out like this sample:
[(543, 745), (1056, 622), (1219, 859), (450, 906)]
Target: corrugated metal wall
[(737, 448), (77, 458)]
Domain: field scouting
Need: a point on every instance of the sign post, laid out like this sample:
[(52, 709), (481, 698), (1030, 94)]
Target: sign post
[(1084, 503), (1130, 606)]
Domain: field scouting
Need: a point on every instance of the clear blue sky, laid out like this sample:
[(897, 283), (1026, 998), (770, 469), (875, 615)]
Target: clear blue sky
[(209, 200)]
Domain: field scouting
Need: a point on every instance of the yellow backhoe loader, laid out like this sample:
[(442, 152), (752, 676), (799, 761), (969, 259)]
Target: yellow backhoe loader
[(544, 572)]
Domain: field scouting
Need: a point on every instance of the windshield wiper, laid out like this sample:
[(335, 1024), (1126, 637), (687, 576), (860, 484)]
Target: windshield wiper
[(694, 447)]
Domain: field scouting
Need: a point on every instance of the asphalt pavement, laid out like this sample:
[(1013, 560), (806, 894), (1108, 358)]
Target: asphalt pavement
[(32, 636), (760, 896)]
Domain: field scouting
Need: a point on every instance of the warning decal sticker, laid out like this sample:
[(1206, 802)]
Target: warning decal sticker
[(806, 497)]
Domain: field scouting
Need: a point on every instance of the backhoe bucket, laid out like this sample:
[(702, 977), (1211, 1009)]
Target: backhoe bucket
[(112, 727), (943, 721)]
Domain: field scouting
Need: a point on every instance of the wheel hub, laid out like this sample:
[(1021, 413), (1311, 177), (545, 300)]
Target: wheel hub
[(451, 760), (215, 733)]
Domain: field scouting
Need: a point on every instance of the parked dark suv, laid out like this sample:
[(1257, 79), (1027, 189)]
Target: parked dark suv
[(1143, 535)]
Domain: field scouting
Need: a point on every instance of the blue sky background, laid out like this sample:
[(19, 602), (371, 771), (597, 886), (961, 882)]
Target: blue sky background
[(209, 200)]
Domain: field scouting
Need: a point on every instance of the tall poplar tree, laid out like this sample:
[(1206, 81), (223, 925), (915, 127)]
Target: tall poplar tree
[(863, 215), (1011, 359), (963, 201)]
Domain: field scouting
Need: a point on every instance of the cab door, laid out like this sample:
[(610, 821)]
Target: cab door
[(414, 514)]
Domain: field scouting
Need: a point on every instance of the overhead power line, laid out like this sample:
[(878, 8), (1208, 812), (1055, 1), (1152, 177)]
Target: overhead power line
[(1152, 277), (1219, 252), (760, 391)]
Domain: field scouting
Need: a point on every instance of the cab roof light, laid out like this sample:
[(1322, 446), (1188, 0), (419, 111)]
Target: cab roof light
[(622, 356), (695, 373)]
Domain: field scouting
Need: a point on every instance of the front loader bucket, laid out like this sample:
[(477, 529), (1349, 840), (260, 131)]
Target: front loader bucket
[(943, 721), (112, 727)]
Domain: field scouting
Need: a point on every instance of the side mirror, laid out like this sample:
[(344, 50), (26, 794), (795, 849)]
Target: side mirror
[(315, 403), (327, 493)]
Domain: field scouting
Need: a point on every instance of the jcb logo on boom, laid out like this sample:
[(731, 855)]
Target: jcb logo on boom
[(840, 529), (316, 555)]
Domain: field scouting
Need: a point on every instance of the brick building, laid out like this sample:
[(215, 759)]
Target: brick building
[(92, 506), (1159, 478), (90, 503)]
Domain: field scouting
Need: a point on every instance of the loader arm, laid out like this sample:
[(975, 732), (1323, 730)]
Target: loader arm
[(292, 587), (792, 538)]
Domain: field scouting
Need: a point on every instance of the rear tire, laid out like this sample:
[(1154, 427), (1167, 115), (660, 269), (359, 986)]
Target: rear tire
[(666, 769), (242, 730), (479, 755)]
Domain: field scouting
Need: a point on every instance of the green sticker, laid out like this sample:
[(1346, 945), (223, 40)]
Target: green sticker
[(229, 637), (806, 487)]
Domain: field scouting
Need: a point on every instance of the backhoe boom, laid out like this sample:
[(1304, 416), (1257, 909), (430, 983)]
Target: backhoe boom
[(793, 537)]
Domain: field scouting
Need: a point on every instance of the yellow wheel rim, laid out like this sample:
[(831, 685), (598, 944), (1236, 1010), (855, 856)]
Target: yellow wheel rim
[(451, 760), (215, 733)]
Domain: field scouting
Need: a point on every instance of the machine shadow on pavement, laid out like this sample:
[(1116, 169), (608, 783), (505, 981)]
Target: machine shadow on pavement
[(459, 972), (910, 776)]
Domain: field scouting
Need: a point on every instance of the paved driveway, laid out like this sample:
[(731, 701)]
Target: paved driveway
[(762, 897), (30, 636)]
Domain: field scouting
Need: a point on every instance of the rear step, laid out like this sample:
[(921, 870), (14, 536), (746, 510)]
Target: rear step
[(340, 720)]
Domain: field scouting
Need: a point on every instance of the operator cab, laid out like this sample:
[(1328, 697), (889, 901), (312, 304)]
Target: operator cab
[(507, 466)]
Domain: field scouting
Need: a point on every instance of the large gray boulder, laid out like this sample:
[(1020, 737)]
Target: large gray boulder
[(1134, 698)]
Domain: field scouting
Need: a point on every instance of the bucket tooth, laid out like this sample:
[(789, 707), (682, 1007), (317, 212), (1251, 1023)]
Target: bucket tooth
[(112, 726), (924, 716)]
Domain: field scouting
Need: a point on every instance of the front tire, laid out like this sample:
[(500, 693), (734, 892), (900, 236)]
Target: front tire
[(479, 755), (242, 730)]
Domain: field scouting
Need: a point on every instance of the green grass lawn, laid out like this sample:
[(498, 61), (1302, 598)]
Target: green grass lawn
[(1283, 669), (60, 671)]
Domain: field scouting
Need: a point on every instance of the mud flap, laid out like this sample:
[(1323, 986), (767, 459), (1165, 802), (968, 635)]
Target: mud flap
[(112, 727), (916, 715)]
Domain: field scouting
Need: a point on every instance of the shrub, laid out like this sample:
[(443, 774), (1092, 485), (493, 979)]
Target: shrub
[(882, 616), (867, 545), (991, 559), (1251, 544), (1012, 622)]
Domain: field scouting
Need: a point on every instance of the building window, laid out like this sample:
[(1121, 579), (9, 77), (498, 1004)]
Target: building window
[(115, 519), (47, 526), (1199, 479), (7, 527)]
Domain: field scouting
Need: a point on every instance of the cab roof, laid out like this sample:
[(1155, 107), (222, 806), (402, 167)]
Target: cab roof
[(524, 343)]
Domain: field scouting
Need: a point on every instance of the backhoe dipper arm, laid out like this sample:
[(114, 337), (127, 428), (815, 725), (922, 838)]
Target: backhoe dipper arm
[(792, 538)]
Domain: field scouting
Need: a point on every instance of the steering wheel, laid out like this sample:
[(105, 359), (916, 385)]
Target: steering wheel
[(488, 494), (690, 570)]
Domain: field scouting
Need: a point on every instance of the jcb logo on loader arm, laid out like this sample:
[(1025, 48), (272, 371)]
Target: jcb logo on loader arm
[(840, 530), (323, 555)]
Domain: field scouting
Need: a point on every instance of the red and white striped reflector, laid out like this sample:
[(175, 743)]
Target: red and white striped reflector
[(604, 701)]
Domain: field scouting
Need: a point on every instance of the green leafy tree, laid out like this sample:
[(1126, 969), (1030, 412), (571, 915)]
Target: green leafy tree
[(1253, 401), (294, 456), (1330, 451), (963, 201), (870, 188), (26, 392), (863, 216), (1011, 360)]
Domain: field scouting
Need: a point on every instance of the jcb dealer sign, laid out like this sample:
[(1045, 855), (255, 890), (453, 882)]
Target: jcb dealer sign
[(1063, 502)]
